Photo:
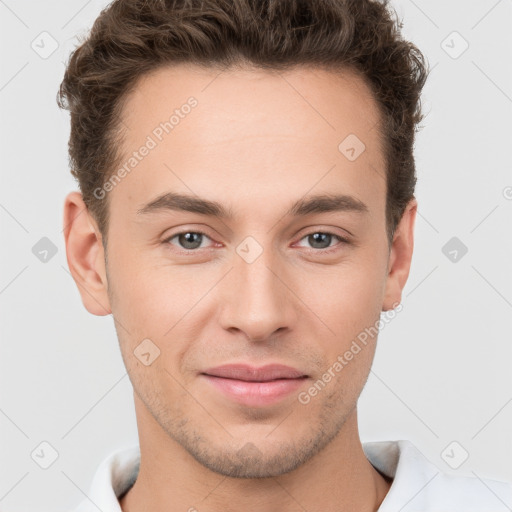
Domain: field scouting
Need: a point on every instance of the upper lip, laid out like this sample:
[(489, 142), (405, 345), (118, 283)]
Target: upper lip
[(255, 374)]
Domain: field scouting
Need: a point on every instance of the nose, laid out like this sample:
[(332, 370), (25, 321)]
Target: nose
[(257, 298)]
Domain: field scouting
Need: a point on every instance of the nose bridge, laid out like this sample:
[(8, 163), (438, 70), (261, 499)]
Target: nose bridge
[(260, 302)]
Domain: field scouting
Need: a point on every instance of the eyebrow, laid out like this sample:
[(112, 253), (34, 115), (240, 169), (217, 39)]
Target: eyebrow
[(305, 206)]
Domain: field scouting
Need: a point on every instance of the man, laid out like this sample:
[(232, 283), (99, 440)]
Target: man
[(246, 215)]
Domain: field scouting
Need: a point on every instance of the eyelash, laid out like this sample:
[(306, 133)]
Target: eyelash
[(342, 241)]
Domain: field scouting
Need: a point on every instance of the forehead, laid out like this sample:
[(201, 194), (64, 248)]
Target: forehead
[(251, 132), (253, 102)]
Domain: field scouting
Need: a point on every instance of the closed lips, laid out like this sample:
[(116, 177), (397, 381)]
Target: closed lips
[(253, 374)]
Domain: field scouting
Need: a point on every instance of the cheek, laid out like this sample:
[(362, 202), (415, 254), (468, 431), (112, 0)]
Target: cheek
[(146, 291), (350, 307), (161, 303), (347, 298)]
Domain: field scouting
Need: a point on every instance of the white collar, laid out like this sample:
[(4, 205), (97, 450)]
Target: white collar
[(418, 485)]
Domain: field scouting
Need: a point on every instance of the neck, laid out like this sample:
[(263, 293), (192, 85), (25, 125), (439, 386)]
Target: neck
[(337, 478)]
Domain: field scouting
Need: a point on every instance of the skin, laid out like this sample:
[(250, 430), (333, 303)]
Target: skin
[(256, 142)]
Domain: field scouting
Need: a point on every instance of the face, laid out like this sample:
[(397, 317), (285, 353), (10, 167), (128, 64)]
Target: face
[(248, 268)]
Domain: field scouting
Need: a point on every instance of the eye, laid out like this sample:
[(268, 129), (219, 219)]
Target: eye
[(188, 240), (322, 241)]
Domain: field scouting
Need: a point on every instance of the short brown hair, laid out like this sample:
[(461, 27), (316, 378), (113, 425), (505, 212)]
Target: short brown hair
[(133, 37)]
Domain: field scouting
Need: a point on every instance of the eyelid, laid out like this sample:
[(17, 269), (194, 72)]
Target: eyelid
[(342, 234)]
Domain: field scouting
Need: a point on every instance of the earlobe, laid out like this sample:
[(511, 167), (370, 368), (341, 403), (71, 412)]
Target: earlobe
[(400, 257), (85, 255)]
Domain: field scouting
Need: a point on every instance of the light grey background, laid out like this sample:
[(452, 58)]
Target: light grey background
[(442, 369)]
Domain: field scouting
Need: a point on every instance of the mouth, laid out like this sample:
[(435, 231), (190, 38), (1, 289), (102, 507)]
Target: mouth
[(255, 387), (250, 373)]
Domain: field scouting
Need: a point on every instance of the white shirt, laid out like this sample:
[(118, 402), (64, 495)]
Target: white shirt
[(418, 485)]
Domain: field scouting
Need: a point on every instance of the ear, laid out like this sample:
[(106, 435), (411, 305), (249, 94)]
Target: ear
[(85, 255), (399, 262)]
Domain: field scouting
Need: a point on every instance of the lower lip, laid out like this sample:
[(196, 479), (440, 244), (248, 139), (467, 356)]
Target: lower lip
[(256, 394)]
